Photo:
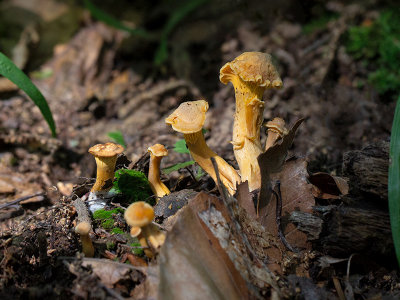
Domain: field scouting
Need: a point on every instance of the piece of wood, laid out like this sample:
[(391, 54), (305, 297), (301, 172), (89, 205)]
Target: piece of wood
[(367, 170)]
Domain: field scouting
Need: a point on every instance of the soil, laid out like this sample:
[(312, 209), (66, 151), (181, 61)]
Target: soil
[(104, 80)]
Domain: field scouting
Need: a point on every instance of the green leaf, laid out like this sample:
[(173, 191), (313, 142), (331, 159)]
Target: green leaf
[(394, 181), (113, 22), (176, 167), (199, 173), (13, 73), (117, 137), (180, 147)]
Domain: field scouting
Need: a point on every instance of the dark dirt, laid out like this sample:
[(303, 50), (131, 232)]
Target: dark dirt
[(104, 80)]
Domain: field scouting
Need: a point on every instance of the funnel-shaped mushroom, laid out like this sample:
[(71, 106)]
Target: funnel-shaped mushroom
[(106, 157), (157, 152), (250, 73), (139, 216), (83, 230), (188, 119), (276, 130)]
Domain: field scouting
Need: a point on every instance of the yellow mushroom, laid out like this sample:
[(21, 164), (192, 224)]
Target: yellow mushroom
[(157, 152), (188, 119), (250, 73), (106, 158), (83, 230), (276, 130), (139, 216)]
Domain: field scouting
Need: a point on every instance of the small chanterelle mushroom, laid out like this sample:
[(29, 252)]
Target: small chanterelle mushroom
[(83, 230), (157, 152), (250, 73), (139, 215), (276, 130), (188, 119)]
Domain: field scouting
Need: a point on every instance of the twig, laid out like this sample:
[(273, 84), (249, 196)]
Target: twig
[(82, 211), (21, 199), (278, 197)]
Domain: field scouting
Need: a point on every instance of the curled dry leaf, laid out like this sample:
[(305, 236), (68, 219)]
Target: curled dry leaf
[(326, 186), (245, 198)]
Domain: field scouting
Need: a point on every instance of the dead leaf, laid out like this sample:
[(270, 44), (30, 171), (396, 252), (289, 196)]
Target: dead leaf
[(272, 161), (326, 186), (296, 196), (197, 260), (245, 198), (111, 272)]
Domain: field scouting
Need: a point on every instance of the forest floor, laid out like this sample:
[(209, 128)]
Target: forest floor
[(98, 80)]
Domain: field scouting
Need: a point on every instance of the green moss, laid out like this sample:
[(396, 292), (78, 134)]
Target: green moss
[(103, 214), (117, 230), (107, 224), (377, 45), (137, 250), (133, 184)]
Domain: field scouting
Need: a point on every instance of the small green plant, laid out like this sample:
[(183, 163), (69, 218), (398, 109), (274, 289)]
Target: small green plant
[(136, 247), (117, 230), (377, 45), (9, 70), (132, 183), (117, 137), (394, 181)]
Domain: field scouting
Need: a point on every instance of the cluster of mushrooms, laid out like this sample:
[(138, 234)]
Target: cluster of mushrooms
[(251, 74)]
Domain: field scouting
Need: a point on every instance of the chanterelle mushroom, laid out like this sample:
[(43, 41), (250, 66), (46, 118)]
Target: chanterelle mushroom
[(83, 230), (157, 152), (250, 73), (139, 216), (188, 119), (276, 130), (106, 158)]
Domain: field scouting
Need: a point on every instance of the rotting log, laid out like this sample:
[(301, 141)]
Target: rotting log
[(367, 170), (361, 224)]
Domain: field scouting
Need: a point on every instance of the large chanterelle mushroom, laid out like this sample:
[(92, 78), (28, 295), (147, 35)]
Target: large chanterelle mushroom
[(188, 119), (250, 73)]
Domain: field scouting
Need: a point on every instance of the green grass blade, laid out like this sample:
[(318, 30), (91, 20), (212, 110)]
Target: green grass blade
[(117, 137), (13, 73), (177, 16), (110, 20), (394, 181), (176, 167)]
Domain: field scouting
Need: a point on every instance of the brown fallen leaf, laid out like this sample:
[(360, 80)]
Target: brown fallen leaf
[(326, 186), (197, 260), (296, 196), (272, 161), (245, 199)]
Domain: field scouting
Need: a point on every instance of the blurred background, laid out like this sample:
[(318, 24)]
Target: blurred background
[(121, 67)]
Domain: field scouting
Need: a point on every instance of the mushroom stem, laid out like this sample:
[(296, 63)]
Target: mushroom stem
[(202, 154), (157, 186), (105, 173), (246, 130)]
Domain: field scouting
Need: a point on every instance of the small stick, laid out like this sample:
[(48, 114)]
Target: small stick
[(82, 211), (21, 199), (278, 197)]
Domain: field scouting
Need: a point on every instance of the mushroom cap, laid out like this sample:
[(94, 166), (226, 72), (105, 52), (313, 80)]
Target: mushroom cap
[(135, 231), (106, 150), (158, 150), (83, 228), (139, 214), (189, 117), (255, 67)]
